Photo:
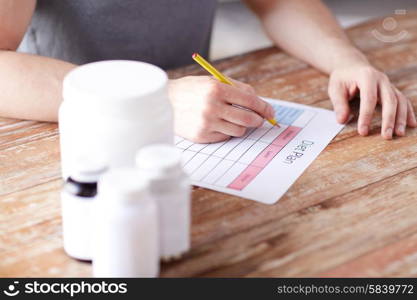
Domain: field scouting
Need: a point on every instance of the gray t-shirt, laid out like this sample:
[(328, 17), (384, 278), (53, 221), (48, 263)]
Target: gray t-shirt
[(161, 32)]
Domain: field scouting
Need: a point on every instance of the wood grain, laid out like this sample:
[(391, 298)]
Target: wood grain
[(352, 213)]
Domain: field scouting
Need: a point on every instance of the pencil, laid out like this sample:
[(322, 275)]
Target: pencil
[(219, 76)]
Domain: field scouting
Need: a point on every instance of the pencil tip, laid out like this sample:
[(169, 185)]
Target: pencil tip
[(272, 122)]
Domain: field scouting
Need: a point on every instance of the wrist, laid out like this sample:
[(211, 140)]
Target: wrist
[(172, 85), (348, 56)]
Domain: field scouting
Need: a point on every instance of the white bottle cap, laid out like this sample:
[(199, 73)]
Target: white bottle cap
[(123, 185), (159, 158), (89, 169)]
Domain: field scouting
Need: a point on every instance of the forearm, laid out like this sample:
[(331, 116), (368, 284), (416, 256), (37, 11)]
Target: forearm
[(307, 30), (31, 86)]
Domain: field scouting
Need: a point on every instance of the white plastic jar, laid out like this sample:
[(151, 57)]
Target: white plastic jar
[(113, 108)]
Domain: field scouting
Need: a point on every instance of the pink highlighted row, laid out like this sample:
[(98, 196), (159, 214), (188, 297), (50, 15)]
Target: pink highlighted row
[(262, 160)]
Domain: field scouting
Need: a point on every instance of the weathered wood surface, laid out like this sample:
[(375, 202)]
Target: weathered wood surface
[(352, 213)]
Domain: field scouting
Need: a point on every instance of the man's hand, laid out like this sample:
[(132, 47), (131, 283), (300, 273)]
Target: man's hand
[(204, 113), (374, 87), (319, 40)]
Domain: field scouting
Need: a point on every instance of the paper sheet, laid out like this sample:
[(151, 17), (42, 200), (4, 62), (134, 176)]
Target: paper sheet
[(263, 164)]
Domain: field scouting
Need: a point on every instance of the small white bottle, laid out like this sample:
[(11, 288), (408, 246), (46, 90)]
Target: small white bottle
[(170, 187), (77, 197), (126, 227)]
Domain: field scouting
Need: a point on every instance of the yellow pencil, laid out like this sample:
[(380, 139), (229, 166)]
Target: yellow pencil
[(219, 76)]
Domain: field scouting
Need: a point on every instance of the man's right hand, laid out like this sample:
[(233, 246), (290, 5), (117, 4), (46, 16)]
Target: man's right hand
[(204, 113)]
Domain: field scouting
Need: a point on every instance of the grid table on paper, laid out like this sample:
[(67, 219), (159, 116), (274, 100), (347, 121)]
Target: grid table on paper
[(236, 162)]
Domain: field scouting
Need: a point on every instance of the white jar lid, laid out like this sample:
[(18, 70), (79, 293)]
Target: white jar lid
[(123, 185), (89, 169), (159, 157), (116, 85)]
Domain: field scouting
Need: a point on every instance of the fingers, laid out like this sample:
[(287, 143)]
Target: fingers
[(208, 137), (369, 96), (389, 110), (229, 129), (214, 137), (233, 95), (243, 86), (411, 117), (401, 118), (240, 116), (339, 96)]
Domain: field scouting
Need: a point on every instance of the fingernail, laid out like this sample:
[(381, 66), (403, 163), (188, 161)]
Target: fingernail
[(401, 129), (340, 119), (364, 129), (388, 132)]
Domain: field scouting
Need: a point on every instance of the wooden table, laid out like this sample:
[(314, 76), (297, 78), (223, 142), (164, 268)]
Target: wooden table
[(352, 213)]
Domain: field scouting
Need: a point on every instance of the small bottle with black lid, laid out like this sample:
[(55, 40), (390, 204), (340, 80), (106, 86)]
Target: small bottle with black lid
[(77, 196)]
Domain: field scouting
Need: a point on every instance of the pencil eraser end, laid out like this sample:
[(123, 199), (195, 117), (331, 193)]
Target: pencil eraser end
[(194, 55)]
